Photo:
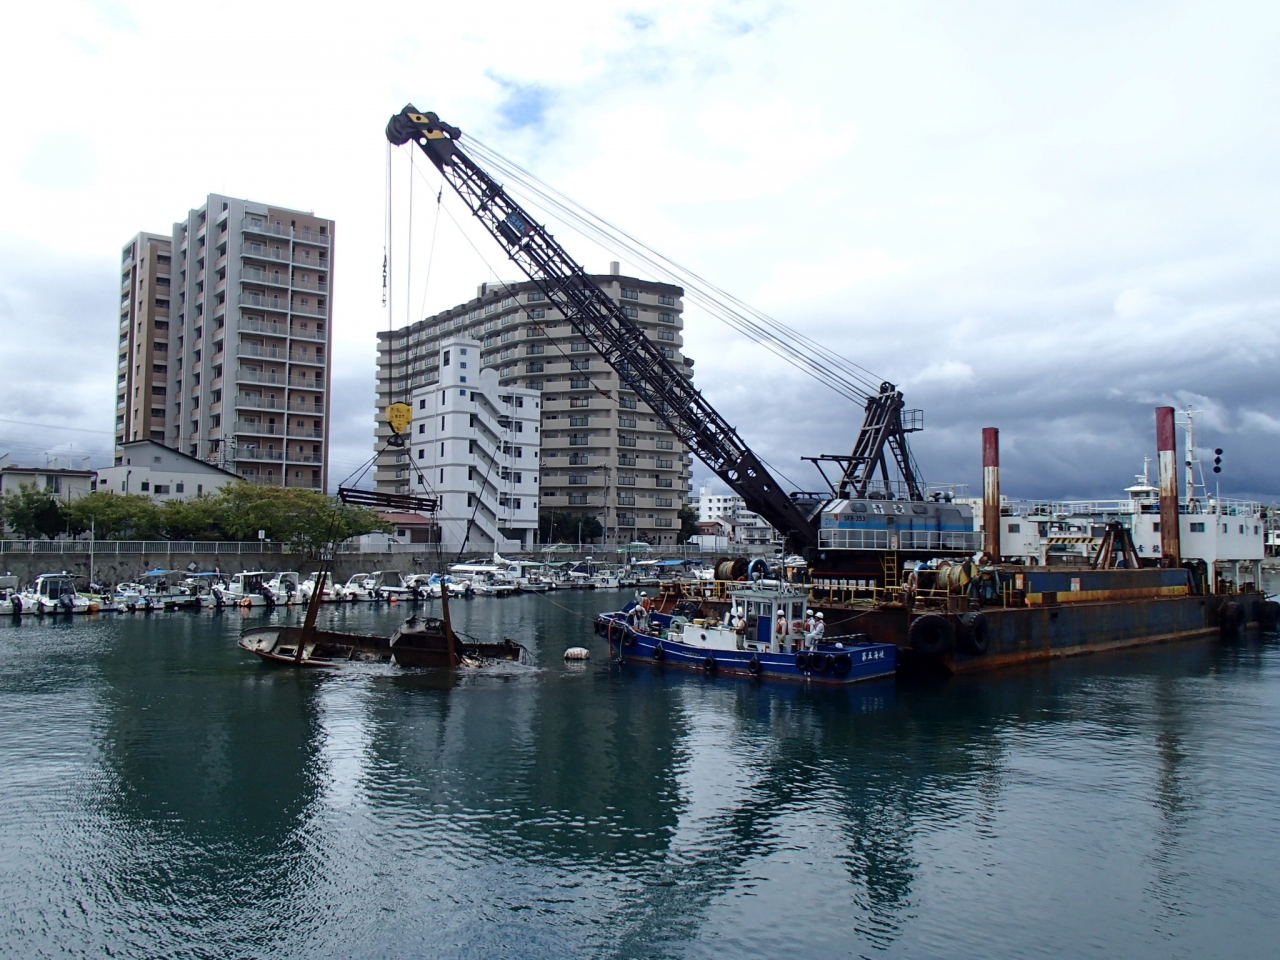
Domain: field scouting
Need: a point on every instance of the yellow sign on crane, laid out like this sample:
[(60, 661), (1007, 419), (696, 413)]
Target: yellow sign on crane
[(399, 415)]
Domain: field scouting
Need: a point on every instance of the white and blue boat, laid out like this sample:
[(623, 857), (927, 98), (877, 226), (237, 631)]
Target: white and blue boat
[(752, 644)]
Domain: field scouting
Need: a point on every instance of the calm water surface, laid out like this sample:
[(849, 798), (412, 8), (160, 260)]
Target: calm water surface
[(162, 793)]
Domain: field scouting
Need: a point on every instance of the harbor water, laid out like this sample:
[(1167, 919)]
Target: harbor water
[(163, 793)]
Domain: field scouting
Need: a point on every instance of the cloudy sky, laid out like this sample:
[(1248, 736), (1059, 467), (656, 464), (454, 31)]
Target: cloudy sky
[(1044, 217)]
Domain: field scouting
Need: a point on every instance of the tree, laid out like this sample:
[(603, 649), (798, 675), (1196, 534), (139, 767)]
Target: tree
[(306, 519), (688, 524), (117, 516), (556, 527), (33, 513), (199, 518)]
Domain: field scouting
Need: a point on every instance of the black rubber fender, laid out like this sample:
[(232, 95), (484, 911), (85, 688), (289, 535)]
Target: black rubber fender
[(754, 664), (931, 635), (821, 662), (973, 636), (709, 663), (1230, 618), (802, 662), (1269, 614), (841, 664), (658, 653)]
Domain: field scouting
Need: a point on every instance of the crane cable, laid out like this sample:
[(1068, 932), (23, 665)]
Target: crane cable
[(840, 374)]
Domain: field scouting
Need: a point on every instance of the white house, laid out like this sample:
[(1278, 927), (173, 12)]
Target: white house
[(146, 466), (60, 477), (735, 522), (475, 445)]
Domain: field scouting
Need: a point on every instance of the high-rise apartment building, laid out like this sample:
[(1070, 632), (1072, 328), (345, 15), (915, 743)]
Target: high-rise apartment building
[(225, 339), (604, 453)]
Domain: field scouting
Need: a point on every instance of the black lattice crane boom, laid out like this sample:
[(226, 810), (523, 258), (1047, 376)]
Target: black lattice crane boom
[(623, 344)]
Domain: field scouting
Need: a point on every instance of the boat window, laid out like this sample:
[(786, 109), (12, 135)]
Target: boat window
[(858, 507), (919, 508)]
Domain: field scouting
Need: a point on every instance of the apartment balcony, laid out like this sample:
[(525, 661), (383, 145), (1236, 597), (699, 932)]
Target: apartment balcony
[(258, 403), (273, 279), (263, 252), (257, 453), (307, 334), (304, 457), (300, 356), (317, 287), (310, 236), (279, 304), (309, 310), (311, 409), (304, 384), (304, 433), (250, 376), (257, 429), (262, 326), (254, 225), (303, 260), (265, 353)]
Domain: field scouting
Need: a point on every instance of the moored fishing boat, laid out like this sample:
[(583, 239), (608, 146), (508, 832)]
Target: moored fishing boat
[(763, 637)]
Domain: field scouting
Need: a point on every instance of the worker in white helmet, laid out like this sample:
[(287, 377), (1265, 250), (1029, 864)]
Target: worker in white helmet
[(816, 632)]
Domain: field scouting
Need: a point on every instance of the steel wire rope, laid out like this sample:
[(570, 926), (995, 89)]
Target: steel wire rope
[(851, 387), (827, 367), (602, 228), (515, 296)]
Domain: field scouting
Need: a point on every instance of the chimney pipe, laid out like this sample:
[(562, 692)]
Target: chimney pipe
[(1166, 446), (991, 490), (615, 268)]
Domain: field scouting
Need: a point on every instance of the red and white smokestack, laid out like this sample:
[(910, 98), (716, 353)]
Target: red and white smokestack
[(1166, 447), (991, 490)]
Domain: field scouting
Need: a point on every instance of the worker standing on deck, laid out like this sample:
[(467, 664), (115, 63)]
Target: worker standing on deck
[(782, 630), (817, 631)]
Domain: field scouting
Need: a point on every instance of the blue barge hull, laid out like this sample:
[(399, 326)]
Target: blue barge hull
[(833, 662)]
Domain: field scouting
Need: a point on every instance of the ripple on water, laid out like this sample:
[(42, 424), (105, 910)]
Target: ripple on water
[(165, 795)]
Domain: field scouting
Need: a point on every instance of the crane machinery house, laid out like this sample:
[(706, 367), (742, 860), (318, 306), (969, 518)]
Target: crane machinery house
[(475, 444)]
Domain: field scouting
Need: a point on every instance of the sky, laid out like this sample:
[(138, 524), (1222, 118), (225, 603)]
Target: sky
[(1049, 218)]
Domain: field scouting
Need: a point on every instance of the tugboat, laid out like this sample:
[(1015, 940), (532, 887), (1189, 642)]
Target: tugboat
[(762, 636)]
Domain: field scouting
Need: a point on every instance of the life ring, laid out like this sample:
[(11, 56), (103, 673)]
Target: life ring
[(754, 664), (973, 635), (841, 664), (931, 635), (709, 663), (658, 653), (802, 661)]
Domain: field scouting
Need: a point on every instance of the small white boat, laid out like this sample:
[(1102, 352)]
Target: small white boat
[(10, 597), (55, 593), (246, 589)]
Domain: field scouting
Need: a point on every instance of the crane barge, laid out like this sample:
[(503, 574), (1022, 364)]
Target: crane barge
[(858, 536)]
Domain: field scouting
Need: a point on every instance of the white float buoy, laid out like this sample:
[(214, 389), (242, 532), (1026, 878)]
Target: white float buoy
[(577, 653)]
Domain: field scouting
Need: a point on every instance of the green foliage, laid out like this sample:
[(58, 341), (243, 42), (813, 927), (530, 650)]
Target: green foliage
[(117, 516), (556, 527), (32, 513), (306, 519), (688, 524)]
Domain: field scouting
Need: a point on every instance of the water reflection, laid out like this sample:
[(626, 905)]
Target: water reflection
[(599, 808)]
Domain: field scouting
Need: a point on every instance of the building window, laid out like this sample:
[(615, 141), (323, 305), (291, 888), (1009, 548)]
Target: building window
[(666, 300), (629, 294), (579, 347), (666, 335), (631, 312)]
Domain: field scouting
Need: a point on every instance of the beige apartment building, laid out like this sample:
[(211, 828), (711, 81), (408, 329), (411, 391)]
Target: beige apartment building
[(604, 453), (225, 340)]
